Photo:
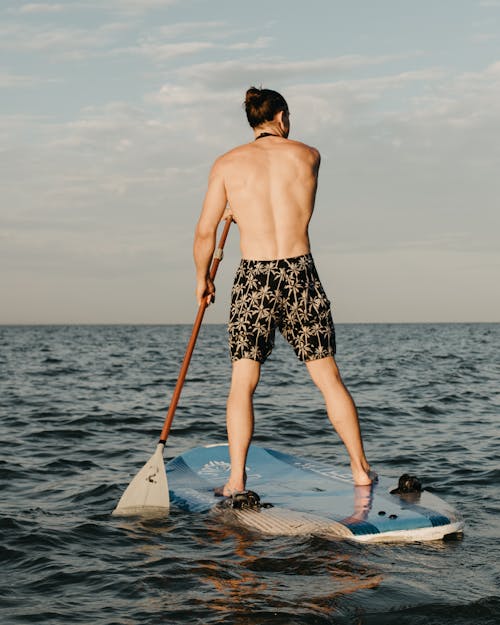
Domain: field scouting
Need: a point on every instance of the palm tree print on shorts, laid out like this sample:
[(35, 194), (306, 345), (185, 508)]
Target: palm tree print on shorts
[(286, 294)]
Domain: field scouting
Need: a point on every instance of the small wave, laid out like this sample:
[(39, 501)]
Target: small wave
[(63, 434), (484, 611), (57, 372), (70, 466), (101, 494), (8, 555)]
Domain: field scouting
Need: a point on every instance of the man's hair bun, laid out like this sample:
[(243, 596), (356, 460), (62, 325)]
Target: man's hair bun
[(253, 94), (261, 105)]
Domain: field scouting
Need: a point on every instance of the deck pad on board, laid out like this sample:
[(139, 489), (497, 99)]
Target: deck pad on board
[(309, 497)]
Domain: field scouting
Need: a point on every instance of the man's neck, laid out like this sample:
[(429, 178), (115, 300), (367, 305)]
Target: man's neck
[(265, 134), (268, 130)]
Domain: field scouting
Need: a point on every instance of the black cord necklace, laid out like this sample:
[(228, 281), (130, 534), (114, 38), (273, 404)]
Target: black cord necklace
[(265, 134)]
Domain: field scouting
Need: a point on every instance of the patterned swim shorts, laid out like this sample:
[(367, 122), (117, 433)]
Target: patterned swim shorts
[(284, 294)]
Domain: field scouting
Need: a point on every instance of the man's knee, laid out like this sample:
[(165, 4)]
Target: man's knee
[(245, 377), (324, 372)]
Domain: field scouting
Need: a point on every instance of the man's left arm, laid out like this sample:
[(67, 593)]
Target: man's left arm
[(213, 209)]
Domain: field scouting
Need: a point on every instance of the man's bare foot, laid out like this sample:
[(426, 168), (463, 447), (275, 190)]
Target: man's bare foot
[(227, 491), (231, 487), (363, 477)]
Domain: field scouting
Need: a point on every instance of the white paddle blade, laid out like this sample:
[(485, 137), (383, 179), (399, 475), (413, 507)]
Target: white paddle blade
[(147, 493)]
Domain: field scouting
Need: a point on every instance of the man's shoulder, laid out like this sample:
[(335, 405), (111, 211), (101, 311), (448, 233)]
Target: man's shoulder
[(239, 150), (306, 152)]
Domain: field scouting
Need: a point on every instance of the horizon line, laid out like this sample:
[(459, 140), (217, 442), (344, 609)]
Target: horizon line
[(223, 323)]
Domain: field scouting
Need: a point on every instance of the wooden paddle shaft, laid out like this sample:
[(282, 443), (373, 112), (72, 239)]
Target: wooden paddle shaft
[(194, 335)]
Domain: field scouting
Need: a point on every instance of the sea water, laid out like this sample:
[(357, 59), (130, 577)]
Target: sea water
[(81, 410)]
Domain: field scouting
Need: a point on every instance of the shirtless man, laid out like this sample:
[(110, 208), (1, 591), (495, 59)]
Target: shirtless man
[(270, 187)]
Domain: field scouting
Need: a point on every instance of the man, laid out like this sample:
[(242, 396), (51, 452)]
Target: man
[(270, 187)]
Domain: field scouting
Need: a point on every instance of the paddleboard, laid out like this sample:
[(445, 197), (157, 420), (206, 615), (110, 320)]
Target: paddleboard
[(301, 496)]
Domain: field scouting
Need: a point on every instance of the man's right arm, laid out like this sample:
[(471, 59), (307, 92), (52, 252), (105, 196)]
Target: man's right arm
[(213, 209)]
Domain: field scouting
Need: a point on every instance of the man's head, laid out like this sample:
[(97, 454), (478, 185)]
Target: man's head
[(264, 106)]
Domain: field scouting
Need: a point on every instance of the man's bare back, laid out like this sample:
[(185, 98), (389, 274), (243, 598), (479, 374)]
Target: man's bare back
[(271, 186)]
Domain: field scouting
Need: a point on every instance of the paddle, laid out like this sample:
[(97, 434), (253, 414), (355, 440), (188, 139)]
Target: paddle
[(148, 491)]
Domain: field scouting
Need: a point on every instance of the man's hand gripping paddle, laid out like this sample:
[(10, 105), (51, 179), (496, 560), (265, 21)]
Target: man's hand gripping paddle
[(147, 493)]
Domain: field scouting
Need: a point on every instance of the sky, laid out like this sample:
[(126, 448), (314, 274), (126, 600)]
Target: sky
[(112, 112)]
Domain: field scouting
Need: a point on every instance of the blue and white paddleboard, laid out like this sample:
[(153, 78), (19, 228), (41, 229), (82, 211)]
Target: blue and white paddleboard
[(308, 497)]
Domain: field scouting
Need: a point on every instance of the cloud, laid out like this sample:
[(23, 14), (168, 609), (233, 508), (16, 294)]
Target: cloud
[(167, 51), (142, 5), (18, 121), (216, 32), (368, 89), (41, 7), (465, 100), (52, 8), (258, 44), (8, 81), (127, 6), (179, 95), (483, 37), (158, 51), (72, 42), (227, 73), (184, 28)]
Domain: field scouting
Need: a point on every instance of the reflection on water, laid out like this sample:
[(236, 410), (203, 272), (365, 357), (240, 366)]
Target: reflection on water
[(363, 501), (292, 577)]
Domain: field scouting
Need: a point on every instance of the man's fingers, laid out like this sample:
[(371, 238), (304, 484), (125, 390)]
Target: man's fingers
[(227, 214), (209, 293), (205, 291)]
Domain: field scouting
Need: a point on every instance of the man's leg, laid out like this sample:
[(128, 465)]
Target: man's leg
[(342, 414), (239, 420)]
